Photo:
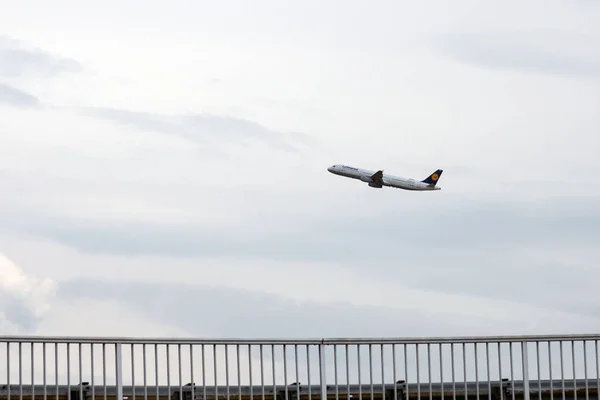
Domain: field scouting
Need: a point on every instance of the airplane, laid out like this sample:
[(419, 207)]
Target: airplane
[(377, 179)]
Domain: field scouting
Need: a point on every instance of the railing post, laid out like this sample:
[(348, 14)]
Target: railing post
[(524, 352), (322, 371), (119, 371)]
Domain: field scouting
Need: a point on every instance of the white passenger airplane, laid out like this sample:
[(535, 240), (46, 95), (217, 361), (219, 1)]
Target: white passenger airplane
[(377, 179)]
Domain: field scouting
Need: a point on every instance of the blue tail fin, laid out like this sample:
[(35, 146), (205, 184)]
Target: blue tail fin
[(433, 178)]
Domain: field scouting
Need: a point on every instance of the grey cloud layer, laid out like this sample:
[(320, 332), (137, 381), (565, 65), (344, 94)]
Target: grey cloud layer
[(463, 248), (199, 127), (18, 61), (17, 311), (538, 52), (370, 236), (223, 312), (440, 243), (13, 97)]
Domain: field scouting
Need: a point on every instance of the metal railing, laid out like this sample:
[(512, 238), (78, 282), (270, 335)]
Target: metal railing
[(496, 368)]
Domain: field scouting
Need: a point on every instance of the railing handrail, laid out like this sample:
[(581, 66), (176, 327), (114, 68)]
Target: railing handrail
[(280, 341), (518, 385)]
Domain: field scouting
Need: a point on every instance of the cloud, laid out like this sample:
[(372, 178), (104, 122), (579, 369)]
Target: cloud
[(429, 228), (14, 97), (545, 52), (202, 128), (502, 251), (173, 216), (280, 315), (24, 298), (303, 302), (437, 248), (19, 60), (257, 314), (261, 314)]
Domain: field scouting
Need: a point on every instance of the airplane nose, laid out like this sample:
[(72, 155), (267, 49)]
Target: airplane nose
[(330, 169)]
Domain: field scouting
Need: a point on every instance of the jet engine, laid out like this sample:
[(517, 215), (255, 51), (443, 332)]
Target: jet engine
[(366, 179), (375, 185)]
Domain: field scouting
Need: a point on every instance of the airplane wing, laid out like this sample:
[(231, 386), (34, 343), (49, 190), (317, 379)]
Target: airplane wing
[(378, 177)]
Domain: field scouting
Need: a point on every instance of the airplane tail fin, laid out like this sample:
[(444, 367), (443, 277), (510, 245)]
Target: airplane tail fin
[(433, 178)]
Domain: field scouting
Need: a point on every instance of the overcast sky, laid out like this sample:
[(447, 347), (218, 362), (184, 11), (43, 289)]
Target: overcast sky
[(163, 168)]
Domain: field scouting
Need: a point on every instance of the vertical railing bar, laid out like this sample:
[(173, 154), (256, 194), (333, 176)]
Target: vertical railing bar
[(215, 370), (168, 369), (132, 349), (525, 359), (119, 370), (597, 370), (476, 353), (539, 370), (273, 369), (145, 371), (308, 372), (297, 372), (562, 370), (323, 370), (512, 370), (156, 373), (347, 358), (103, 371), (383, 370), (441, 348), (250, 369), (192, 379), (585, 369), (335, 371), (429, 370), (69, 371), (32, 355), (452, 355), (92, 371), (8, 383), (405, 354), (32, 347), (79, 346), (550, 370), (488, 371), (370, 349), (574, 370), (45, 372), (203, 356), (285, 373), (119, 375), (464, 352), (500, 366), (394, 372), (262, 371), (418, 372), (359, 372), (227, 371), (56, 369), (20, 371), (239, 371), (180, 367)]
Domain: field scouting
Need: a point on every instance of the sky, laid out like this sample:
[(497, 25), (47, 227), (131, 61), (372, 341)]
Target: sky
[(163, 168)]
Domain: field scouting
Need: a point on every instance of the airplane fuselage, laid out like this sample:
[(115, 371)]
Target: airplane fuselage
[(378, 181)]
